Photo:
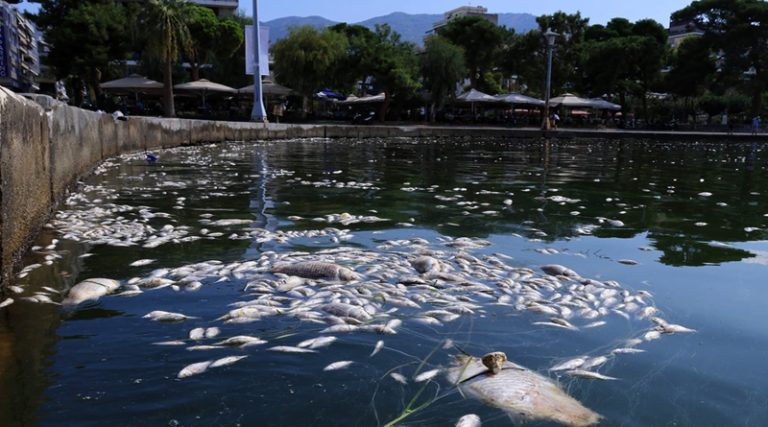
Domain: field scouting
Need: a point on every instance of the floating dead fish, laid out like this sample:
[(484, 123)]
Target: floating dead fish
[(212, 332), (676, 329), (317, 270), (399, 378), (165, 316), (142, 262), (335, 366), (242, 340), (469, 420), (90, 290), (426, 376), (289, 349), (194, 369), (174, 343), (346, 310), (318, 342), (589, 375), (520, 392), (627, 350), (559, 270), (377, 348), (6, 302), (197, 334), (204, 347), (569, 364), (226, 361), (627, 262)]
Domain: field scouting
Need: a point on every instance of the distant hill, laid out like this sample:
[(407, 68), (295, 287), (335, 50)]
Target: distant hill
[(411, 27)]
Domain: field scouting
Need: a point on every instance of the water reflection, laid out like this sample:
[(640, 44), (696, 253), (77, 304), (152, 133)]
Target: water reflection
[(692, 215)]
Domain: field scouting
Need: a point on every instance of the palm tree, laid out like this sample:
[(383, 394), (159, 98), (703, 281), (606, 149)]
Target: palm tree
[(168, 38)]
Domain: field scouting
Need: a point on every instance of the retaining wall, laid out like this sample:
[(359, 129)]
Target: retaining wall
[(44, 150)]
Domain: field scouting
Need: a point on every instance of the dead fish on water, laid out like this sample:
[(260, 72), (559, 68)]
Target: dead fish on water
[(469, 420), (426, 376), (399, 378), (226, 361), (377, 348), (335, 366), (317, 270), (242, 340), (520, 392), (6, 302), (289, 349), (569, 364), (90, 290), (142, 262), (589, 375), (318, 342), (194, 369), (165, 316)]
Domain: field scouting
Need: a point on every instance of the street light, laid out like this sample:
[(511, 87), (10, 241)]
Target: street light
[(551, 37), (258, 114)]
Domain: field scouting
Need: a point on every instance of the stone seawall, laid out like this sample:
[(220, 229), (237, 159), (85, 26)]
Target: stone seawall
[(42, 152)]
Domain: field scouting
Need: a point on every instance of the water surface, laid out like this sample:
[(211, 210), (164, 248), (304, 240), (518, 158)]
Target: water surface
[(692, 216)]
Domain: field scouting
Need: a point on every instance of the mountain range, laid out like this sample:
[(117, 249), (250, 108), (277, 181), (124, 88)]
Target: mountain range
[(412, 28)]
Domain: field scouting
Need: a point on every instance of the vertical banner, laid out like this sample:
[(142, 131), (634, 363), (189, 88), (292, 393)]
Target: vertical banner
[(263, 49)]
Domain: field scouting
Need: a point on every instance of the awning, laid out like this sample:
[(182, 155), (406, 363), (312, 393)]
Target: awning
[(519, 99)]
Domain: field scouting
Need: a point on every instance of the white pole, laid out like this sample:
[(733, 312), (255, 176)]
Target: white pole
[(258, 114)]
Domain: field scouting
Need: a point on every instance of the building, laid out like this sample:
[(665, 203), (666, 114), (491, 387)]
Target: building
[(19, 57), (681, 30), (464, 11), (220, 7)]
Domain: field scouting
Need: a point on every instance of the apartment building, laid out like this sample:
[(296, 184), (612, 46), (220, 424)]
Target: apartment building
[(19, 54)]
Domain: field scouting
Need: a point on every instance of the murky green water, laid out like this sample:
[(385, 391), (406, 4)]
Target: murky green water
[(692, 216)]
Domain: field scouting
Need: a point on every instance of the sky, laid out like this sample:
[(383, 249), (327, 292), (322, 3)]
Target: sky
[(598, 11)]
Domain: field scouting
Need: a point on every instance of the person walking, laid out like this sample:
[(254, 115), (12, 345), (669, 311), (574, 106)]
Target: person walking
[(756, 121)]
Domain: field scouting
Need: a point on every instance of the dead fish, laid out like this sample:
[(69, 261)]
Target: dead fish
[(569, 364), (426, 376), (203, 347), (289, 349), (318, 342), (165, 316), (652, 335), (335, 366), (90, 290), (520, 392), (6, 302), (626, 350), (593, 362), (589, 375), (346, 310), (142, 262), (194, 369), (197, 334), (426, 264), (377, 348), (399, 378), (627, 262), (212, 332), (170, 343), (339, 328), (226, 361), (559, 270), (595, 324), (317, 270), (676, 329), (469, 420), (242, 340)]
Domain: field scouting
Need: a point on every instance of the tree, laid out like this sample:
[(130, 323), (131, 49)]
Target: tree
[(304, 59), (397, 68), (481, 41), (571, 28), (85, 36), (442, 67), (361, 56), (168, 21), (737, 30), (209, 35)]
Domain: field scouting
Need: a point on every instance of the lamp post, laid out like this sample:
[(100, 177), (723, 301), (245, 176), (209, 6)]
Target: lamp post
[(550, 37), (258, 113)]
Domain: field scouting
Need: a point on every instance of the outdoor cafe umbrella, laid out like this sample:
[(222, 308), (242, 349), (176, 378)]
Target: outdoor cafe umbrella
[(204, 86), (601, 104), (134, 84), (268, 88), (365, 99), (569, 100), (519, 99), (474, 96)]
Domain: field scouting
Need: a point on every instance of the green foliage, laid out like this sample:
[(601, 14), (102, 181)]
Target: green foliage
[(304, 59), (211, 36), (84, 37), (693, 68), (711, 104), (481, 41), (737, 30), (442, 67), (397, 69), (362, 54), (168, 22)]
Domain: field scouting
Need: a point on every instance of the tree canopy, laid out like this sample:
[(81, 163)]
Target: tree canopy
[(482, 42)]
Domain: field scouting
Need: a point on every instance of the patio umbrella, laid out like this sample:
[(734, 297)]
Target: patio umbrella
[(204, 86), (475, 96), (569, 100), (365, 99), (601, 104), (519, 99), (268, 88), (134, 84)]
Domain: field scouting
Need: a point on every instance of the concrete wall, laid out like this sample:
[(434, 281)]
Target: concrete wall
[(44, 150)]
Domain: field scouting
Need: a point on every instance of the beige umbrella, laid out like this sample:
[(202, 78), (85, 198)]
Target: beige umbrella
[(204, 86), (268, 88)]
